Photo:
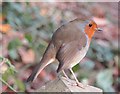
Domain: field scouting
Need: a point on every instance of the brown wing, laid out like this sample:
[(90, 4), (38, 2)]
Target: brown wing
[(68, 40), (67, 33), (67, 52)]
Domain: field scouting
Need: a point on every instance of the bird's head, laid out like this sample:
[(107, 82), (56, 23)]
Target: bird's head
[(90, 28)]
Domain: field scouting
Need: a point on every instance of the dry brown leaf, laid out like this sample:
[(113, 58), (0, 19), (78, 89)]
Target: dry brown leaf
[(5, 28), (27, 56), (42, 75)]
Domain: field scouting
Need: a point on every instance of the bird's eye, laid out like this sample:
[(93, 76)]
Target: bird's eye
[(90, 25)]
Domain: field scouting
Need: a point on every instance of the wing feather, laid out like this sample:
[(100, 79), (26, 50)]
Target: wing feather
[(68, 51)]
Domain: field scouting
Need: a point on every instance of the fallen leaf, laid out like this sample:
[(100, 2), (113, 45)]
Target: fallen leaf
[(27, 56), (42, 75), (5, 28), (4, 88)]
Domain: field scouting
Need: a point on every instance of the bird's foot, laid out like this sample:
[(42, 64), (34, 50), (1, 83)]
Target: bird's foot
[(80, 85)]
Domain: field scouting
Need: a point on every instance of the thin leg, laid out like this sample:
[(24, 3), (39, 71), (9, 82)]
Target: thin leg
[(74, 75), (78, 83), (65, 74)]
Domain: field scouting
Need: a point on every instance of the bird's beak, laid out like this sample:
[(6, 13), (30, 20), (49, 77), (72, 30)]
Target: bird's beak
[(99, 29)]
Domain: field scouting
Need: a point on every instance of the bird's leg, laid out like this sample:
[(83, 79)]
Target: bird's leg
[(68, 79), (65, 74), (77, 82)]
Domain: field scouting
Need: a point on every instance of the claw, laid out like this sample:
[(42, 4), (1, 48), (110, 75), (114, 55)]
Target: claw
[(80, 85)]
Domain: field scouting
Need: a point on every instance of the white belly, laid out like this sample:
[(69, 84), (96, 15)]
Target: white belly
[(79, 56)]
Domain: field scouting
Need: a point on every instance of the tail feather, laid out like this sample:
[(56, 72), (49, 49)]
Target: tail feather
[(33, 75), (38, 69), (48, 57)]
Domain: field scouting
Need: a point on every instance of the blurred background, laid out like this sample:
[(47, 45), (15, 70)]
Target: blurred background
[(26, 29)]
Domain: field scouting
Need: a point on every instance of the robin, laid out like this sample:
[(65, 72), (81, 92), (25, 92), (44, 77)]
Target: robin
[(69, 45)]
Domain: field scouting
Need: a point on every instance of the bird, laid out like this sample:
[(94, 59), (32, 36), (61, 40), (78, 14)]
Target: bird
[(69, 45)]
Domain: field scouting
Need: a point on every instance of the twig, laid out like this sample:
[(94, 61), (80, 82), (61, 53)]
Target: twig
[(7, 85)]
